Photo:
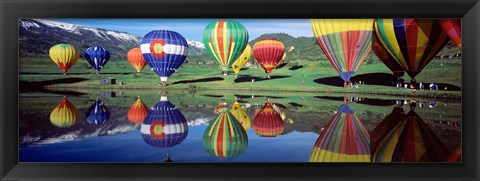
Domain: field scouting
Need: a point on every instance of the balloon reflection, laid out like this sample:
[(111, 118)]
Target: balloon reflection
[(137, 113), (241, 115), (165, 126), (225, 137), (344, 139), (404, 137), (268, 123), (97, 113), (64, 114)]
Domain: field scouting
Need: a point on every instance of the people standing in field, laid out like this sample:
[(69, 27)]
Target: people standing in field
[(420, 86), (431, 86)]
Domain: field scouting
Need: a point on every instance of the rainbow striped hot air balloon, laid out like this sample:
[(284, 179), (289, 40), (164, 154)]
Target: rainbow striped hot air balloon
[(64, 55), (453, 28), (225, 137), (241, 115), (137, 113), (97, 113), (406, 139), (268, 52), (345, 42), (242, 59), (97, 57), (344, 139), (386, 58), (225, 40), (65, 114), (165, 51), (165, 126), (135, 58), (268, 123), (411, 42)]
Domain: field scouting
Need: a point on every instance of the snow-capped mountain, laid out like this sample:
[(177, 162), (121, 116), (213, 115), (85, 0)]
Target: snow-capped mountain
[(38, 35)]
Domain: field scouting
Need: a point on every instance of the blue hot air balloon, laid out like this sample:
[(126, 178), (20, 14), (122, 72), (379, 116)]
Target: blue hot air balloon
[(164, 51), (165, 126), (97, 113), (97, 57)]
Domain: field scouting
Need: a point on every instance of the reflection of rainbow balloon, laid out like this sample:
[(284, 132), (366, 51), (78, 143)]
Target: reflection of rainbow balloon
[(138, 112), (225, 137), (97, 113), (65, 114), (165, 126), (64, 55), (453, 28), (344, 139), (345, 42), (455, 155), (407, 139), (267, 122), (242, 59), (241, 115), (412, 42)]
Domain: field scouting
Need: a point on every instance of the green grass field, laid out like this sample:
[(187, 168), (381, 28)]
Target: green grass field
[(39, 70)]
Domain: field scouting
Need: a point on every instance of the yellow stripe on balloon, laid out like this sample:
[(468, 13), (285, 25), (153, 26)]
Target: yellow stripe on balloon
[(390, 35), (425, 27), (321, 155), (330, 26)]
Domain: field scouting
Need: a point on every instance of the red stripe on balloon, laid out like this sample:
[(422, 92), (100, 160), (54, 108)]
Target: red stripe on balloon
[(220, 40), (412, 36)]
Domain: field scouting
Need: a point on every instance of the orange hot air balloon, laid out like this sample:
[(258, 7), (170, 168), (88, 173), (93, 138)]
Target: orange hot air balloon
[(135, 58), (138, 112), (268, 123), (268, 52)]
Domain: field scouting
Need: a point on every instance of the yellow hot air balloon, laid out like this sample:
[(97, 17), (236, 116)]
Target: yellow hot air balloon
[(282, 62), (64, 55), (242, 59), (65, 114), (241, 115)]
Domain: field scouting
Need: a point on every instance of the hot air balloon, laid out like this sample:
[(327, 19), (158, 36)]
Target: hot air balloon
[(241, 115), (97, 57), (282, 62), (280, 109), (268, 123), (225, 40), (386, 58), (455, 155), (165, 51), (344, 139), (136, 59), (389, 123), (225, 137), (97, 113), (165, 126), (412, 42), (408, 139), (453, 29), (65, 114), (268, 52), (138, 112), (64, 55), (345, 42), (242, 59)]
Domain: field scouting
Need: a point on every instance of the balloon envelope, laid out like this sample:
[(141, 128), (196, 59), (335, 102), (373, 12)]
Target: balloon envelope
[(97, 113), (412, 42), (64, 55), (64, 114), (268, 123), (225, 137), (453, 29), (135, 58), (241, 115), (344, 139), (386, 58), (137, 113), (345, 42), (165, 51), (268, 52), (97, 57), (225, 40), (165, 126), (242, 59)]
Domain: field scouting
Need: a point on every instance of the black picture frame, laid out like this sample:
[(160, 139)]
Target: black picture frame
[(11, 11)]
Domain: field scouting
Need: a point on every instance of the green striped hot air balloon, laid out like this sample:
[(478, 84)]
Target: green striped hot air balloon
[(225, 40), (225, 137)]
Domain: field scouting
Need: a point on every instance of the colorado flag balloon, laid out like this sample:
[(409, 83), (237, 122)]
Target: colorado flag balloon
[(225, 40), (345, 42), (165, 51), (64, 55), (97, 57), (165, 126)]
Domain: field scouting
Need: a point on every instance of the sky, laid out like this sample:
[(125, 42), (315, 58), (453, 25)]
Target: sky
[(192, 29)]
